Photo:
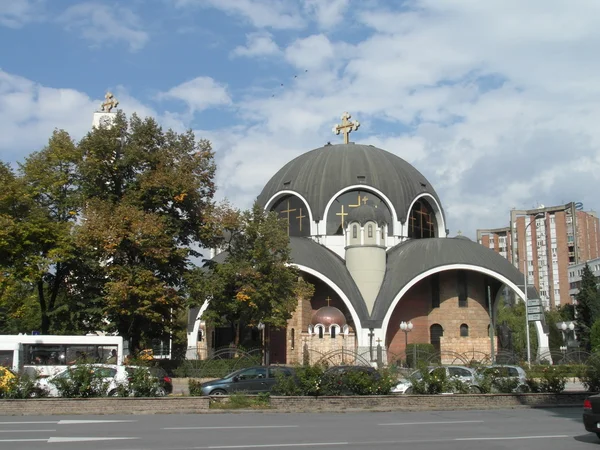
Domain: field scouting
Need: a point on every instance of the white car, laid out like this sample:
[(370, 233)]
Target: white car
[(464, 374), (112, 376)]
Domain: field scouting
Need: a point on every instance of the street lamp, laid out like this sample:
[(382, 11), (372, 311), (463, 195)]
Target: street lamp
[(407, 328), (261, 327), (564, 327), (526, 273)]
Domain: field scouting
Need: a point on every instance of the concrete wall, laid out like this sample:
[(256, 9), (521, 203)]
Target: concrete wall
[(196, 405), (367, 266)]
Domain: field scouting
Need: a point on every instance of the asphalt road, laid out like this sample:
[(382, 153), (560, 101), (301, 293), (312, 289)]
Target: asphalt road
[(522, 429)]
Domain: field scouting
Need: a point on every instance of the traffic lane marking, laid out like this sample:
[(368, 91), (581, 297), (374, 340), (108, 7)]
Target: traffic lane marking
[(241, 427), (450, 422)]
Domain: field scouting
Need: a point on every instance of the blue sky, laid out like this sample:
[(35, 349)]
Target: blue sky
[(496, 102)]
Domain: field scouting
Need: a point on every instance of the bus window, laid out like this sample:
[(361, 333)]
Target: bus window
[(6, 358)]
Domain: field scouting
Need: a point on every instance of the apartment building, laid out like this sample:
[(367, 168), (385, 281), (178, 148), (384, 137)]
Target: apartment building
[(575, 272), (547, 240)]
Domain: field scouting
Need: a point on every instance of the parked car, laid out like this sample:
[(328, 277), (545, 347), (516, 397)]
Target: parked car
[(111, 375), (464, 374), (510, 371), (591, 414), (251, 380)]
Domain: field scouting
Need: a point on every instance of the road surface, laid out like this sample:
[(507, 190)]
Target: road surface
[(522, 429)]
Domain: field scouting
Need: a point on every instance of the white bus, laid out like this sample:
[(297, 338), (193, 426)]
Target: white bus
[(49, 354)]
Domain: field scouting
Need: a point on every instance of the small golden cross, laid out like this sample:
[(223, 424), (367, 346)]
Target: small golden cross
[(328, 300), (346, 127), (300, 217), (288, 211), (378, 341), (365, 199), (342, 214)]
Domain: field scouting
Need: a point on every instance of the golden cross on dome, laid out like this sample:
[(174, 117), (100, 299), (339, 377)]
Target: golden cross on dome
[(346, 127), (365, 199), (328, 300)]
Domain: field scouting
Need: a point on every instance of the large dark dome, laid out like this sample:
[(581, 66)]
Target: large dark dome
[(319, 174)]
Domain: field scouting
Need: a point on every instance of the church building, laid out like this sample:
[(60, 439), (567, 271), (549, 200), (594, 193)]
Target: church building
[(368, 230)]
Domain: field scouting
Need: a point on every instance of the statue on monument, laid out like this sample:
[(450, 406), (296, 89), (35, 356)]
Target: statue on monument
[(505, 337), (109, 103)]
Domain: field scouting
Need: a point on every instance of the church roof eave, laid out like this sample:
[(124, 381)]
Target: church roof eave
[(408, 260)]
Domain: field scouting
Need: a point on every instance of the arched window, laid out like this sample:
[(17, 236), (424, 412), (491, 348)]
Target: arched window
[(293, 338), (320, 329), (421, 223), (332, 331), (354, 231), (370, 228), (435, 333), (200, 335), (464, 330)]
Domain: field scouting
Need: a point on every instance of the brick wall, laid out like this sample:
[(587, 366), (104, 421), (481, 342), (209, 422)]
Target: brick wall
[(197, 405), (111, 405), (415, 306), (425, 402)]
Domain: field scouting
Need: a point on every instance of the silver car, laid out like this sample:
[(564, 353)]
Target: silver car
[(462, 373)]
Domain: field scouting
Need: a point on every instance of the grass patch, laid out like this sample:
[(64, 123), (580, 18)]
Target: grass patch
[(241, 401)]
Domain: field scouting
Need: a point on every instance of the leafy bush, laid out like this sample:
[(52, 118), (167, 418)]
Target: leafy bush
[(493, 380), (314, 381), (590, 374), (195, 387), (421, 352), (567, 370), (552, 381), (306, 381), (143, 384), (81, 382), (431, 382), (20, 387)]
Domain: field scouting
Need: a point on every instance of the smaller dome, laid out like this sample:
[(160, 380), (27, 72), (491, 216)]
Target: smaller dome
[(366, 213), (329, 315), (460, 236)]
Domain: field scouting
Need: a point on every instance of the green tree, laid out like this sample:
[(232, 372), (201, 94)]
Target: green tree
[(595, 336), (255, 283), (147, 194), (51, 181), (514, 316), (587, 308)]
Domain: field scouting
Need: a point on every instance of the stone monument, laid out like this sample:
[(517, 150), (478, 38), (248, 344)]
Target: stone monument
[(106, 116)]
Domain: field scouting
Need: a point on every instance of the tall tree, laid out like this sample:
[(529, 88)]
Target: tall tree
[(587, 308), (52, 184), (255, 283), (147, 194)]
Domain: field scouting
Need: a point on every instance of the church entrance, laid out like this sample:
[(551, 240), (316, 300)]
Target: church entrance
[(278, 346)]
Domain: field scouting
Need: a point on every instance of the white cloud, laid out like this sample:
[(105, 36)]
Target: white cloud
[(199, 94), (495, 102), (311, 52), (274, 14), (16, 13), (103, 24), (29, 112), (327, 13), (257, 45)]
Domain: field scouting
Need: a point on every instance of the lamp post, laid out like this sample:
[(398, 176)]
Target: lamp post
[(525, 273), (261, 327), (407, 328), (564, 327)]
